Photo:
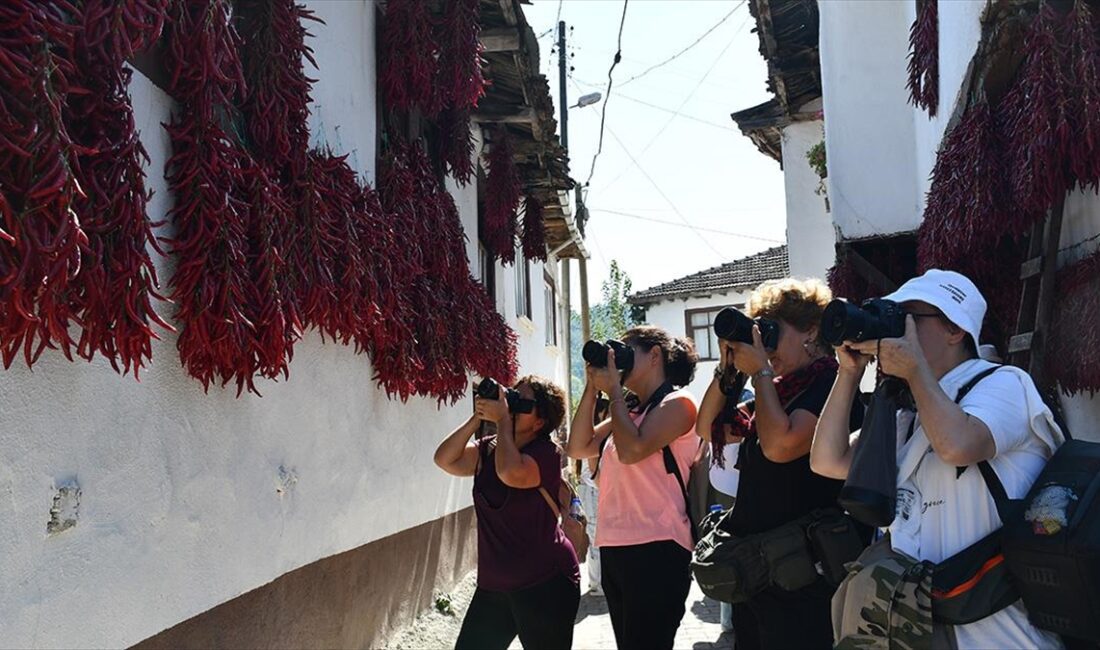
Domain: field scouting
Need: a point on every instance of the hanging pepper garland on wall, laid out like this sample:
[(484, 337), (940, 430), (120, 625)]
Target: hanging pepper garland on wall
[(534, 237), (502, 194), (117, 278), (40, 236), (924, 58), (267, 235)]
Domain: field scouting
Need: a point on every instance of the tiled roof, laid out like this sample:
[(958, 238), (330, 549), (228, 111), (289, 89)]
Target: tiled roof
[(748, 271)]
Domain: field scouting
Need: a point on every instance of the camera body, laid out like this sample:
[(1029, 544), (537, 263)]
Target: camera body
[(488, 388), (733, 326), (595, 354), (875, 319)]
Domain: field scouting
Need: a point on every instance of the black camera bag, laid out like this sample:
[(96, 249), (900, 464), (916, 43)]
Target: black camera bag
[(1056, 565)]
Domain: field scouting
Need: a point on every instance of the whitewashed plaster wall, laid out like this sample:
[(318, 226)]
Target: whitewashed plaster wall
[(869, 130), (191, 499), (669, 314), (810, 233)]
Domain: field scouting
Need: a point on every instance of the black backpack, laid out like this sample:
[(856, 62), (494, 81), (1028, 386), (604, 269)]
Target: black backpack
[(1051, 540)]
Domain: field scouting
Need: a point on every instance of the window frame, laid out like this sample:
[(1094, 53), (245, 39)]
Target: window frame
[(523, 286), (550, 299), (690, 329)]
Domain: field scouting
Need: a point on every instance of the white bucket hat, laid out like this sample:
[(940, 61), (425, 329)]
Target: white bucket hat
[(950, 292)]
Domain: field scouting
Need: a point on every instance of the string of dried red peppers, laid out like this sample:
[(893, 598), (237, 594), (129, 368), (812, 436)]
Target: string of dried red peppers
[(117, 279), (924, 58), (41, 239), (502, 192), (1002, 168)]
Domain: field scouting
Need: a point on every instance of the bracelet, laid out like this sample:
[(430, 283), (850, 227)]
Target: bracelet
[(765, 372)]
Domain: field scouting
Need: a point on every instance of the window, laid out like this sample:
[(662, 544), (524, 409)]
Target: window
[(700, 328), (550, 299), (523, 285), (486, 268)]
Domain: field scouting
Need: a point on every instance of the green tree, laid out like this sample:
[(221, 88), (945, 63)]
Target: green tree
[(610, 318)]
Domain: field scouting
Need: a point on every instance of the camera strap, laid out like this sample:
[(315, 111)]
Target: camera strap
[(658, 396)]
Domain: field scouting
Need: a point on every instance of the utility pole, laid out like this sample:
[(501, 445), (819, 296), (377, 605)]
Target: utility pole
[(566, 281)]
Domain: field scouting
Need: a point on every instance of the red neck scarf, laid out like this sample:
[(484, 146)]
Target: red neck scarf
[(739, 423)]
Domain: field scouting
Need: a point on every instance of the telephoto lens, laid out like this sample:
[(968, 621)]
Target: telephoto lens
[(490, 389), (875, 319), (733, 326), (595, 354)]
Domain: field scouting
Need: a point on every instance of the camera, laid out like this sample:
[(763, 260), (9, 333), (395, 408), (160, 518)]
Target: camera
[(733, 326), (490, 389), (874, 319), (595, 353)]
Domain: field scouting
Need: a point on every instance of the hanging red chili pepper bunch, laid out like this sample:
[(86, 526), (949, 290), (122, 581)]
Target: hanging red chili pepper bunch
[(460, 78), (118, 281), (1071, 349), (274, 52), (534, 237), (266, 211), (212, 283), (381, 297), (410, 58), (41, 239), (319, 219), (457, 144), (965, 219), (502, 193), (1036, 120), (1084, 47), (924, 59)]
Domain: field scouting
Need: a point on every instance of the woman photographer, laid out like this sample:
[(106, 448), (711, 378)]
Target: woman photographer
[(776, 485), (528, 581), (644, 534)]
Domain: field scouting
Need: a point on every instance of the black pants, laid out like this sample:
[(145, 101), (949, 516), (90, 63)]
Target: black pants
[(542, 616), (646, 587), (777, 620)]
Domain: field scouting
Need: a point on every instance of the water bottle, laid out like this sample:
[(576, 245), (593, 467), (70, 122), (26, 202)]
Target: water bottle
[(576, 510)]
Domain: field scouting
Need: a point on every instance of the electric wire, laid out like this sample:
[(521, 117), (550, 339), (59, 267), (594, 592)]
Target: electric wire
[(607, 95), (686, 225), (683, 51), (664, 109), (679, 109), (664, 196)]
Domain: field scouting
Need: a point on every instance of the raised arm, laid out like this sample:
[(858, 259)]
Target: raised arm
[(585, 438), (831, 452), (456, 455)]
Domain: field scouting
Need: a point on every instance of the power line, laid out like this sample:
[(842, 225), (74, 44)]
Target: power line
[(684, 103), (664, 109), (681, 52), (607, 95), (665, 196), (683, 225)]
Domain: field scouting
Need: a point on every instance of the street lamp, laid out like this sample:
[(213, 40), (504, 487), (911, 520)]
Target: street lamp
[(587, 100)]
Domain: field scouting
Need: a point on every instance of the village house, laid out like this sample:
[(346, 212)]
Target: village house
[(161, 514), (687, 306)]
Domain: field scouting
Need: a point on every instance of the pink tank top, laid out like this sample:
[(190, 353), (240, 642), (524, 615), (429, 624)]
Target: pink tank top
[(642, 503)]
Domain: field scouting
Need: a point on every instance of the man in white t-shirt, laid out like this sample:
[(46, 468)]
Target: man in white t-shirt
[(941, 511)]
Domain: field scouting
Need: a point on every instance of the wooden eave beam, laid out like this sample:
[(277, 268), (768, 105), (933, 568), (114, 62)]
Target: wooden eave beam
[(500, 39)]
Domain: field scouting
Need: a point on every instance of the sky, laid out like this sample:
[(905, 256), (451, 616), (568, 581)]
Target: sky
[(671, 152)]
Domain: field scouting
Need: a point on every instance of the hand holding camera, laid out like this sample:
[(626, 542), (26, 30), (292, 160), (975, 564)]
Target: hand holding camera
[(898, 357), (879, 328), (493, 403), (605, 360)]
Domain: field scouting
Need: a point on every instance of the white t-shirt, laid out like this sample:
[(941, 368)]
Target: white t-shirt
[(939, 513)]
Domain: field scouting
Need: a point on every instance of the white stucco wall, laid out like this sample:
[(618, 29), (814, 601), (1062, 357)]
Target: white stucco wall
[(869, 129), (810, 233), (180, 507), (669, 314)]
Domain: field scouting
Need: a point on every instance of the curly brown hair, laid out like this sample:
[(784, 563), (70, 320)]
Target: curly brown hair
[(549, 401), (798, 302)]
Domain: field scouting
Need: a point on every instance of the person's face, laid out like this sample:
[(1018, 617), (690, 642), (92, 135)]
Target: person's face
[(793, 351), (937, 336), (647, 363), (528, 422)]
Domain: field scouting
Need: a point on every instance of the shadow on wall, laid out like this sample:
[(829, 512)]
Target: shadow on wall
[(352, 600)]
